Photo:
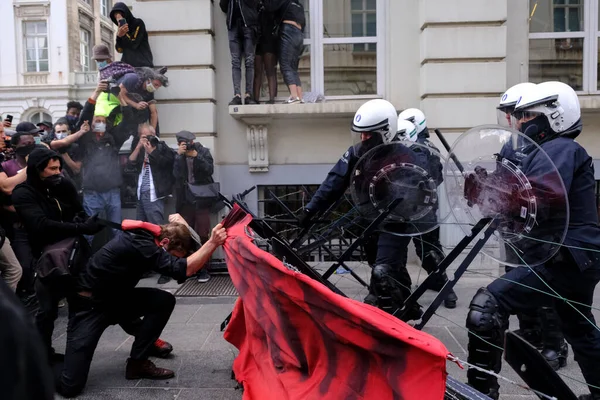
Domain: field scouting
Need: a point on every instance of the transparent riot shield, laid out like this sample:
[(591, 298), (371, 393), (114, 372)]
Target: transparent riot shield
[(495, 172)]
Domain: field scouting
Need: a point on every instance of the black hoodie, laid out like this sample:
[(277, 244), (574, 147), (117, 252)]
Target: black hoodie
[(134, 45), (48, 213)]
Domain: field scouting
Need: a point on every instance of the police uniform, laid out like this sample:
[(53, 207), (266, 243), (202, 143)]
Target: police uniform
[(573, 273)]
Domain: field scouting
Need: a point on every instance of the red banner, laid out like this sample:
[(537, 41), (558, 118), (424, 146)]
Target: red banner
[(300, 341)]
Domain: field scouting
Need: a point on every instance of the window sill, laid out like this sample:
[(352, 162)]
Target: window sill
[(268, 112)]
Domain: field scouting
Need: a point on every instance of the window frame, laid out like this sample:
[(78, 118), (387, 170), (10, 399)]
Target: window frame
[(88, 54), (317, 41), (35, 36), (105, 8), (591, 40)]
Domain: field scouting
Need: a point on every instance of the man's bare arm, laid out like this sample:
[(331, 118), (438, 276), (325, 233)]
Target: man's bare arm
[(8, 184), (198, 260)]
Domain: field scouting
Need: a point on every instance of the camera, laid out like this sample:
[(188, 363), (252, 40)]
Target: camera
[(153, 140), (112, 86), (187, 145)]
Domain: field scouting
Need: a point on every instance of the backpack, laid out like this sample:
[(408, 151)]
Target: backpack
[(63, 260)]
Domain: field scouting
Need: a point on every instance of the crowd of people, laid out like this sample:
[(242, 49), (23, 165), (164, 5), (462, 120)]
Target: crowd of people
[(264, 33)]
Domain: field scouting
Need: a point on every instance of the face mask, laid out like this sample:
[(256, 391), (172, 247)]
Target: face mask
[(101, 64), (53, 180), (60, 136), (38, 140), (150, 87), (537, 129), (100, 127), (72, 119), (25, 150)]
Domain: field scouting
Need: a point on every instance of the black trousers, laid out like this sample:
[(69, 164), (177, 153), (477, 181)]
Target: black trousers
[(563, 275), (392, 250), (88, 320), (22, 248), (48, 297)]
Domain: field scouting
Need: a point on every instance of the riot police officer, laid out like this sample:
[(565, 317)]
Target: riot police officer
[(428, 245), (550, 115), (375, 122)]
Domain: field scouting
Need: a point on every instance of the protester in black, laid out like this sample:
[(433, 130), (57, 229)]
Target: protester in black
[(267, 51), (25, 373), (49, 207), (107, 295), (132, 37)]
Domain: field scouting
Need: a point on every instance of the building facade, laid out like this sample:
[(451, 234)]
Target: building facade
[(451, 58), (46, 54)]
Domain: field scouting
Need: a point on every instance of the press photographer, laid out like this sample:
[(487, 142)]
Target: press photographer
[(193, 169)]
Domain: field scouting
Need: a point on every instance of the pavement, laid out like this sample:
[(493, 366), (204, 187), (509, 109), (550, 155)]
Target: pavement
[(202, 359)]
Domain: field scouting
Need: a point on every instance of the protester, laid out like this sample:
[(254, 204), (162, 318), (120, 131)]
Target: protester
[(107, 295), (49, 208), (73, 111), (291, 23), (71, 154), (132, 37), (10, 268), (193, 164), (242, 26), (266, 56), (137, 90)]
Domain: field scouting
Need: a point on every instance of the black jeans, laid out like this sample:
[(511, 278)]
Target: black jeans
[(291, 46), (48, 297), (89, 319), (563, 275), (242, 43), (22, 248)]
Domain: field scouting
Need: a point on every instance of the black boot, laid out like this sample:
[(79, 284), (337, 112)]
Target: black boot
[(555, 349), (530, 329)]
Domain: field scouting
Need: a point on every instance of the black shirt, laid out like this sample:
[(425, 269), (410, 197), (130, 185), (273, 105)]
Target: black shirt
[(117, 268)]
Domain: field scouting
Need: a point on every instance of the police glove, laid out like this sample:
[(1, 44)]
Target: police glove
[(474, 185), (305, 218), (91, 226)]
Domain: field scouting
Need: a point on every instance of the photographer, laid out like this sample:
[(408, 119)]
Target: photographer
[(49, 208), (107, 295), (154, 161), (193, 164)]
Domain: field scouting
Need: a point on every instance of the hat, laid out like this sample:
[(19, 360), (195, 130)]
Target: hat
[(44, 123), (100, 52), (27, 127), (185, 135)]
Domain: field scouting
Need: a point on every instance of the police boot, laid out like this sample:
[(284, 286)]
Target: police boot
[(530, 329), (555, 349)]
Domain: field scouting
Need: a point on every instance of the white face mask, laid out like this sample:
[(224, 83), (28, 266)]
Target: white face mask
[(100, 127), (61, 135), (150, 87)]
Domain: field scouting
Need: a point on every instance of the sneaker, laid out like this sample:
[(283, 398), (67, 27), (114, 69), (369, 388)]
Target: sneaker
[(249, 100), (292, 100), (163, 279), (236, 101), (62, 303), (145, 369), (203, 276), (160, 349), (271, 101)]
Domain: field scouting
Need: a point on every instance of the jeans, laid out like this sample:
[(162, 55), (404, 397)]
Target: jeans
[(242, 43), (10, 269), (153, 212), (105, 204), (291, 46), (48, 297), (89, 319)]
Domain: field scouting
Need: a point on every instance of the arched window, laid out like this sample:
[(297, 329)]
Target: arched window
[(37, 116)]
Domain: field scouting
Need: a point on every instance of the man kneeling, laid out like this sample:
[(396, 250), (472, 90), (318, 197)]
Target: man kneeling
[(106, 295)]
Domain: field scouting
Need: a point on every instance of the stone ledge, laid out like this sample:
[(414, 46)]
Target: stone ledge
[(267, 112)]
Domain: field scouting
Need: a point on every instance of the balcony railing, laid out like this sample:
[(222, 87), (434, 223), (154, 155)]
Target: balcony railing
[(84, 78)]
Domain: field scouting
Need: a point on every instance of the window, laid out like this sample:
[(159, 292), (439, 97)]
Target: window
[(563, 43), (36, 46), (105, 8), (39, 116), (84, 49), (340, 58)]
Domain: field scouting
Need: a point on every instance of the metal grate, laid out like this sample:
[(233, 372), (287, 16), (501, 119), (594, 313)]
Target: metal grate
[(218, 285)]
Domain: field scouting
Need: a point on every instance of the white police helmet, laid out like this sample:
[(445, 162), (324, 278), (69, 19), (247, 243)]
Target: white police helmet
[(415, 116), (376, 116), (551, 106), (406, 130), (509, 100)]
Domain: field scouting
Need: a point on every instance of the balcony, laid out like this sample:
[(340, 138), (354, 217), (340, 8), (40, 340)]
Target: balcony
[(84, 79), (33, 79)]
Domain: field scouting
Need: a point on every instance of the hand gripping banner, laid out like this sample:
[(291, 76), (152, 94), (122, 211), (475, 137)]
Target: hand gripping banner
[(298, 340)]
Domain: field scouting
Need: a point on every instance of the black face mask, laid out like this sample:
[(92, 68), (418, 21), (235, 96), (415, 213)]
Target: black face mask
[(372, 142), (53, 180), (537, 129), (25, 150)]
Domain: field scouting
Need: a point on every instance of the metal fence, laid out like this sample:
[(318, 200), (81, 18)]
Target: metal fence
[(294, 197)]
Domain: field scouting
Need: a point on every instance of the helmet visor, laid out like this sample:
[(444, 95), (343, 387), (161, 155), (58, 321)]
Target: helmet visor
[(504, 117), (518, 118)]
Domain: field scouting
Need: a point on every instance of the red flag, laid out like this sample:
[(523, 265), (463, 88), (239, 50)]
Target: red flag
[(300, 341)]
